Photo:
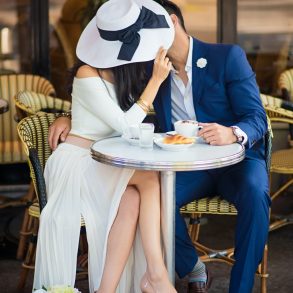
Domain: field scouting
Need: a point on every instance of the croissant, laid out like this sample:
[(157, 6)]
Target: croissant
[(177, 139)]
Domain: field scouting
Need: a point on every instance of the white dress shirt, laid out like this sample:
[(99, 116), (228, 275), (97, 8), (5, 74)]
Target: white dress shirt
[(182, 107)]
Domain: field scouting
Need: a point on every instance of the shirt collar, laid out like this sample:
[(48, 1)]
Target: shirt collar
[(189, 57)]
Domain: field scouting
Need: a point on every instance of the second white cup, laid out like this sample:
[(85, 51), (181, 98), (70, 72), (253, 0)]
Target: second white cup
[(146, 135), (188, 128)]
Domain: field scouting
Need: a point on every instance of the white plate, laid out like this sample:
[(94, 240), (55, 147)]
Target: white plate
[(171, 147), (198, 139)]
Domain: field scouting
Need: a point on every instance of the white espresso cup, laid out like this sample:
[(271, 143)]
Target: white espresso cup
[(188, 128)]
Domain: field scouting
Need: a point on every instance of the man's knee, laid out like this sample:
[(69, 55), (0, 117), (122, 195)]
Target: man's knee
[(253, 197)]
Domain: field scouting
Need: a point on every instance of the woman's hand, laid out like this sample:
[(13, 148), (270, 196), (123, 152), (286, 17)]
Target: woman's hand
[(161, 69), (58, 131), (162, 66)]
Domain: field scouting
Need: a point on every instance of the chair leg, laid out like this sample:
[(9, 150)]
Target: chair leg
[(28, 263), (30, 196), (25, 230), (194, 226), (264, 271)]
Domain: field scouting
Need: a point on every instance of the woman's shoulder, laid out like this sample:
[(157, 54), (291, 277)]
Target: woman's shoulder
[(85, 71)]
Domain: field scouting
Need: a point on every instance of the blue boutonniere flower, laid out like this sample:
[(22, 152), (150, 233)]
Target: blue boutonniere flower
[(201, 62)]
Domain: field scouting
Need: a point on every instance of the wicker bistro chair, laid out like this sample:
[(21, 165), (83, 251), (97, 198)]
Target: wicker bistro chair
[(29, 103), (282, 160), (33, 132), (218, 206), (285, 84)]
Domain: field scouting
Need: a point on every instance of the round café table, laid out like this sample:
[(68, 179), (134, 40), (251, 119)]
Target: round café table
[(4, 107), (115, 151)]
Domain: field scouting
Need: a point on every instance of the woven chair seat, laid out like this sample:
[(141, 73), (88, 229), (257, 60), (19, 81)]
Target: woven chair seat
[(34, 211), (282, 161), (214, 205)]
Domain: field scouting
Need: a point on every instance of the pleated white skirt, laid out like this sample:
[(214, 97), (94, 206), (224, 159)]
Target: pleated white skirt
[(78, 185)]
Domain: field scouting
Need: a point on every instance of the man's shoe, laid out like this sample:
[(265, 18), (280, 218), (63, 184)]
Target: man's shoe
[(200, 287)]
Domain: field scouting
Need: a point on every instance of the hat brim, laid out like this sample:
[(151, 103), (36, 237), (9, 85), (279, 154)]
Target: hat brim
[(99, 53)]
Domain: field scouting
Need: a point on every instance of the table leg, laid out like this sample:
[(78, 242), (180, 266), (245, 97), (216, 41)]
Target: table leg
[(168, 220)]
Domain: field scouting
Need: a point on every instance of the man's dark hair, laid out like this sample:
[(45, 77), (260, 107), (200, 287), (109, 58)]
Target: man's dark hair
[(172, 8)]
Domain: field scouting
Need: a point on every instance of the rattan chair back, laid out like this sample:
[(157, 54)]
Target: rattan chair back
[(10, 146), (282, 160), (285, 84), (33, 132), (275, 109), (29, 103)]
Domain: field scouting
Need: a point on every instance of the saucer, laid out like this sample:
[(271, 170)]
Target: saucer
[(135, 141), (131, 140)]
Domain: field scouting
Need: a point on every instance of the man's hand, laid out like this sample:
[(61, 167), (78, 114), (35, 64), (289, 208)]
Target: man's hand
[(58, 131), (216, 134)]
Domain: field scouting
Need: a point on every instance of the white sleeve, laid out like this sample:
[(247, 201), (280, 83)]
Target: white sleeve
[(96, 100)]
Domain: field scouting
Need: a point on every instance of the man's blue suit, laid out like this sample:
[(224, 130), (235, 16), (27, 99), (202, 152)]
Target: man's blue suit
[(225, 92)]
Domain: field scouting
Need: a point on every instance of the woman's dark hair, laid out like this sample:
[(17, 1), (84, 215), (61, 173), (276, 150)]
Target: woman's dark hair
[(130, 80), (172, 8)]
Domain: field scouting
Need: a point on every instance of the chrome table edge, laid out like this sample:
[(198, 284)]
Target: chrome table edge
[(163, 166)]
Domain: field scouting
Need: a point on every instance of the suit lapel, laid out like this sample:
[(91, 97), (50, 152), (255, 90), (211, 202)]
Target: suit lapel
[(198, 73)]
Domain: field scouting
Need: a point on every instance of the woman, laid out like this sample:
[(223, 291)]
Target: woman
[(109, 93)]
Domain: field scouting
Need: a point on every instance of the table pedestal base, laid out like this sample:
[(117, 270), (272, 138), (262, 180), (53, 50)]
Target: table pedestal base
[(168, 220)]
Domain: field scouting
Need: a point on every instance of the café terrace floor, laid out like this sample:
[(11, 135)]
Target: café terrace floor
[(218, 230)]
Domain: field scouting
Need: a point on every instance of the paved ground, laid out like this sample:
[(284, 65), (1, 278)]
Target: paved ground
[(219, 230)]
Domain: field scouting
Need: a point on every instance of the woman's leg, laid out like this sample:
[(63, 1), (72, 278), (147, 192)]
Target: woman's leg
[(122, 232), (156, 277)]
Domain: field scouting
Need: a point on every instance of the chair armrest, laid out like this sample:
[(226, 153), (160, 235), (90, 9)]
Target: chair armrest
[(39, 179)]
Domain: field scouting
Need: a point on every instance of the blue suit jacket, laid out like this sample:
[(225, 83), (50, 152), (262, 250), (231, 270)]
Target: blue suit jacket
[(225, 92)]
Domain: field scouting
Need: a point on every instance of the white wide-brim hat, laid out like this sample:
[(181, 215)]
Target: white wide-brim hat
[(99, 47)]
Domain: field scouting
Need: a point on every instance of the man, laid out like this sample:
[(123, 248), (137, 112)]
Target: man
[(214, 84)]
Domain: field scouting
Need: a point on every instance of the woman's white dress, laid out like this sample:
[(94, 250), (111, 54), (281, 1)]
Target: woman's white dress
[(79, 186)]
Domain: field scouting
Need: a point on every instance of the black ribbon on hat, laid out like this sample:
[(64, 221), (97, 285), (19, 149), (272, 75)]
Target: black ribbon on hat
[(130, 37)]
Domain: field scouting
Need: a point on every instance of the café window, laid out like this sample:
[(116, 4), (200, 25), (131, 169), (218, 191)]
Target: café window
[(265, 31), (15, 49), (200, 18)]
